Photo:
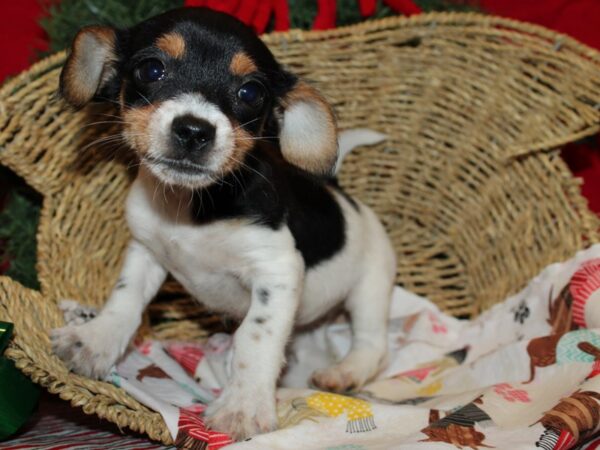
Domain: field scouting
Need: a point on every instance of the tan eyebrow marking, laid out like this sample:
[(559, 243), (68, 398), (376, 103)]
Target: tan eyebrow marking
[(242, 64), (172, 44)]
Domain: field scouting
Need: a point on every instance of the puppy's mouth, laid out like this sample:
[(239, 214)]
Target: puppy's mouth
[(179, 172), (185, 167)]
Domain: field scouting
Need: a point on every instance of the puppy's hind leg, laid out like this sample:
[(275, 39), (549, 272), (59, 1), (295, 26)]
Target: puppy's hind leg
[(368, 305)]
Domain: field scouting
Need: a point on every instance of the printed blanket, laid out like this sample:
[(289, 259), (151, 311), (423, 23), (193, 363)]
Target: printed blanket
[(523, 375)]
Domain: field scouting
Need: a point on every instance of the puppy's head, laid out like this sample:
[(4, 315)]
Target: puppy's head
[(197, 90)]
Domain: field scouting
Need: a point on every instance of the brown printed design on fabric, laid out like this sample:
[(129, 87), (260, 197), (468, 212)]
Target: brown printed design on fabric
[(151, 371), (90, 64), (542, 352), (172, 44), (242, 64), (458, 428), (578, 414), (135, 129), (560, 312)]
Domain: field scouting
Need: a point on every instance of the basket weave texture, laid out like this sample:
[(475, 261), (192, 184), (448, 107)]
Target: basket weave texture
[(469, 184)]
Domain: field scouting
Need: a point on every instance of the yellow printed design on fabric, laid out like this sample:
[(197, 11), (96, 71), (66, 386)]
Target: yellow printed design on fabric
[(360, 414)]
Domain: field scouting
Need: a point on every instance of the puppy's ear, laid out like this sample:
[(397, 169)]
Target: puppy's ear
[(308, 131), (91, 65)]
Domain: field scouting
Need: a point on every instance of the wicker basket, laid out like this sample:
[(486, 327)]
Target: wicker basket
[(469, 185)]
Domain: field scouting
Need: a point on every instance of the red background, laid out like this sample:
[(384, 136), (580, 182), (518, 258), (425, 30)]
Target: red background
[(21, 40)]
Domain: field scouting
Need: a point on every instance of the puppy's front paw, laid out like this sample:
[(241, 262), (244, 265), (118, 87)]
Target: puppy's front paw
[(349, 374), (242, 414), (86, 349), (335, 379)]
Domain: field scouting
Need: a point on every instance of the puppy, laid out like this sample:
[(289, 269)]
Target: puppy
[(248, 217)]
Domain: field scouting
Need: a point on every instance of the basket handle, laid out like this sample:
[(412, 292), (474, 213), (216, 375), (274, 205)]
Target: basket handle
[(524, 150)]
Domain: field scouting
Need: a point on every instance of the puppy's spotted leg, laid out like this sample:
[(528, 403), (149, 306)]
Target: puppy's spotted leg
[(368, 305), (92, 348), (247, 405)]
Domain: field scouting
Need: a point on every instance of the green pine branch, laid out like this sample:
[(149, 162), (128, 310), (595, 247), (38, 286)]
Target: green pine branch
[(447, 5), (66, 17), (18, 227)]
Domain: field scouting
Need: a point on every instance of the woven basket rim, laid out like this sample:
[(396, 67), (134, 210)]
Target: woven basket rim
[(445, 18)]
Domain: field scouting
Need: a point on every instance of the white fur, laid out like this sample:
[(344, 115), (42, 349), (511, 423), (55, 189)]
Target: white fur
[(348, 140), (226, 265), (92, 348), (159, 127), (306, 128)]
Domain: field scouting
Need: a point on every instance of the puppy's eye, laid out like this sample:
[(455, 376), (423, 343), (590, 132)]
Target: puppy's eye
[(251, 93), (150, 70)]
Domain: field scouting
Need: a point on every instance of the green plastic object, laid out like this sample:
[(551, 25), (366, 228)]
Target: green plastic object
[(18, 394)]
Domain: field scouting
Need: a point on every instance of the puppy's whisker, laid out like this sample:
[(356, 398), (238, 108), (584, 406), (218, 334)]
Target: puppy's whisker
[(246, 166), (257, 138), (103, 140), (108, 100), (164, 192), (105, 122), (237, 180), (155, 191), (111, 115), (144, 97), (246, 123), (191, 199)]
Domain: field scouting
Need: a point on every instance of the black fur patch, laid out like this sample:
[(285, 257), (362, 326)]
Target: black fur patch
[(212, 39), (260, 320), (272, 192), (120, 284), (263, 296)]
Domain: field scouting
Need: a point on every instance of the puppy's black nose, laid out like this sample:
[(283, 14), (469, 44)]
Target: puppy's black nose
[(191, 133)]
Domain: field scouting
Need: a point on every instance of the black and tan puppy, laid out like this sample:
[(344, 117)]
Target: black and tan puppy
[(251, 221)]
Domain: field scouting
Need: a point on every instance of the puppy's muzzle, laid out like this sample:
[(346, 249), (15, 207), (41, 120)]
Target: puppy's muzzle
[(191, 137)]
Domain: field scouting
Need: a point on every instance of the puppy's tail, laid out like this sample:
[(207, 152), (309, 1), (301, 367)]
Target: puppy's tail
[(356, 137)]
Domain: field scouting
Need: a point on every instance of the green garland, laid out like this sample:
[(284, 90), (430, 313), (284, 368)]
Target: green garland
[(18, 227), (66, 17)]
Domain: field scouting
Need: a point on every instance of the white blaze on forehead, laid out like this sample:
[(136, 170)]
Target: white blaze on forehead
[(197, 106)]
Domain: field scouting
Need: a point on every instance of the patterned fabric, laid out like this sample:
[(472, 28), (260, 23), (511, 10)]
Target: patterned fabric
[(358, 412), (522, 375)]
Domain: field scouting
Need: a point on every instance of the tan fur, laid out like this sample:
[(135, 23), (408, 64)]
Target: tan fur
[(90, 64), (242, 64), (243, 143), (172, 44), (293, 143), (135, 129)]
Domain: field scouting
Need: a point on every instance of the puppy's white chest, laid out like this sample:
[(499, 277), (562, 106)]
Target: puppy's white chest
[(205, 259)]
